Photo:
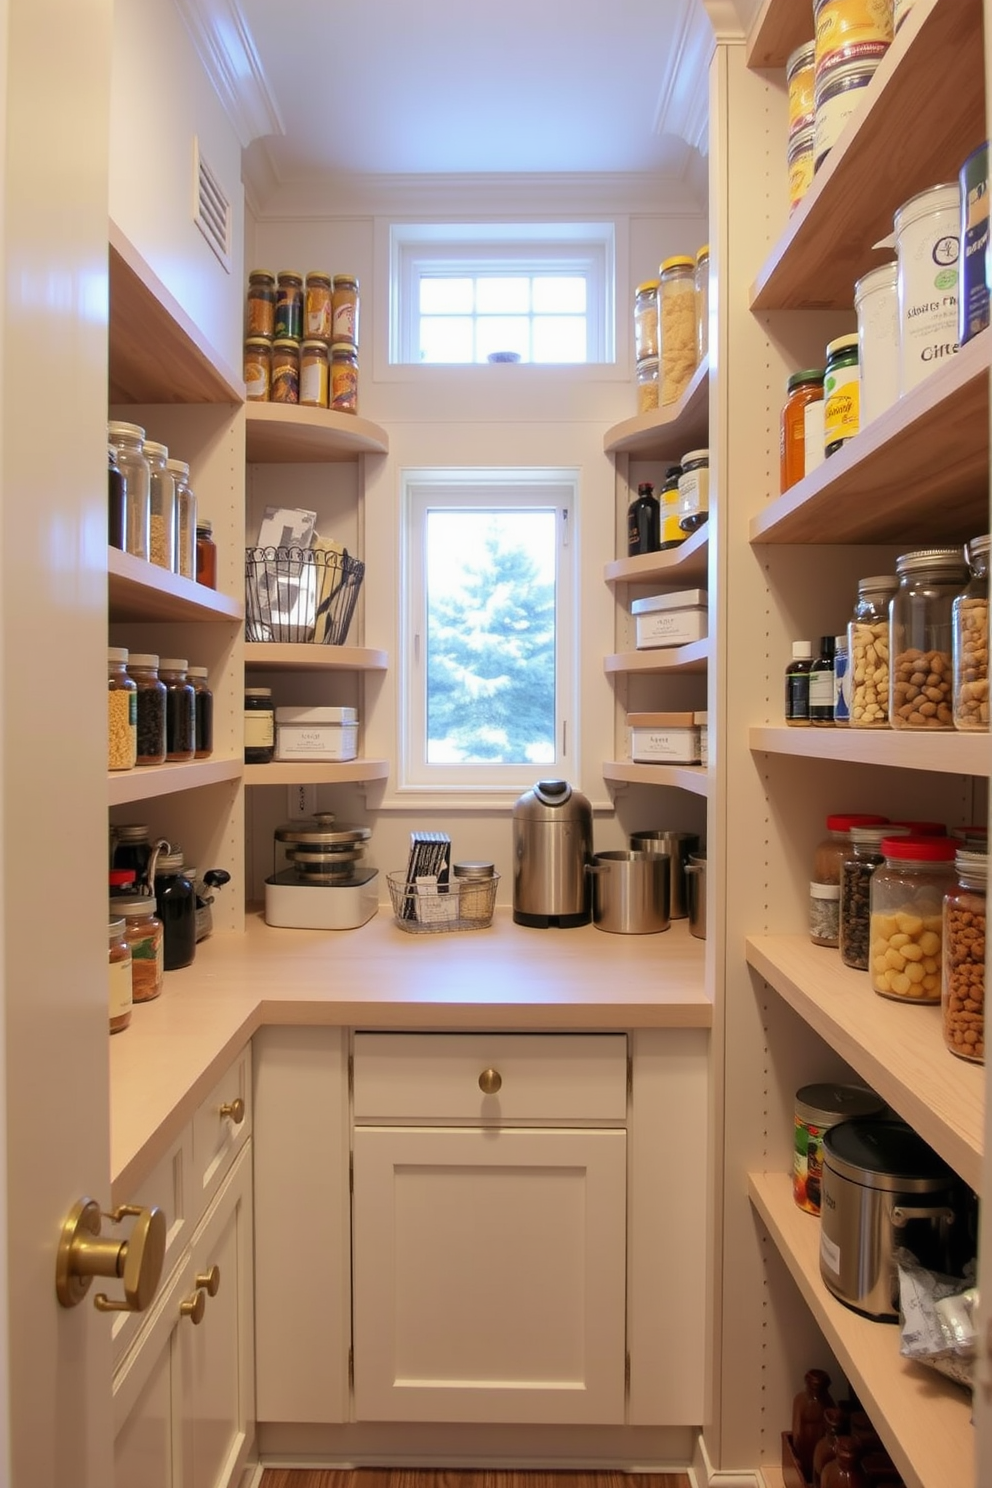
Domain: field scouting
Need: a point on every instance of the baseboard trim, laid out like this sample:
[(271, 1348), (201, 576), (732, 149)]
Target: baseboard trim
[(708, 1476)]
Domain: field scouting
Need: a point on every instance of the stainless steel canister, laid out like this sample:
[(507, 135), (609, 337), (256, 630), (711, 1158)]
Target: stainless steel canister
[(678, 846), (630, 892), (552, 843), (695, 893)]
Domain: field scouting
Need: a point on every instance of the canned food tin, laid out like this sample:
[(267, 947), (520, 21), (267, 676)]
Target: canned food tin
[(799, 81), (800, 162), (841, 25), (837, 97), (973, 302), (818, 1108), (928, 247)]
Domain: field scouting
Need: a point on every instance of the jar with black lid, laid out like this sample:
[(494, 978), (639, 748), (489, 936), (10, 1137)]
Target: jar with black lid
[(203, 710), (176, 902), (180, 710), (260, 726), (920, 636), (143, 670), (970, 642)]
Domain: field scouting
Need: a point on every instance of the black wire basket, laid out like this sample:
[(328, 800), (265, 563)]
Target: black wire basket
[(300, 594)]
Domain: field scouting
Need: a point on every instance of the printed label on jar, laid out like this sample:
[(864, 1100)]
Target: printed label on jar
[(260, 730), (313, 383), (119, 977), (841, 406), (256, 381), (344, 322), (344, 389), (807, 1166)]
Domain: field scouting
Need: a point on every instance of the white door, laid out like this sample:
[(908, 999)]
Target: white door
[(55, 1424), (489, 1275)]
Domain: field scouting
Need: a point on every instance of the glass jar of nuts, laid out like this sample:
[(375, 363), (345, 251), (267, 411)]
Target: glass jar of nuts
[(921, 669), (963, 989), (906, 898), (970, 642), (868, 651)]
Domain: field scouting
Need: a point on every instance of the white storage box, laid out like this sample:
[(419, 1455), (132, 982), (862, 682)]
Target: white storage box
[(316, 733), (670, 619), (663, 738)]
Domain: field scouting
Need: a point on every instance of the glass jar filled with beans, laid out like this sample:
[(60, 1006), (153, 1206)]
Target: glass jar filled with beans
[(824, 909), (142, 668), (862, 856), (963, 989), (868, 651), (920, 616), (906, 908), (970, 642), (180, 709)]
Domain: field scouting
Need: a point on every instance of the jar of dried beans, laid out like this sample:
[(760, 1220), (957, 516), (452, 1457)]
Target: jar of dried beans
[(970, 642), (920, 615), (868, 651), (906, 909), (963, 989), (180, 710), (142, 668), (824, 887), (677, 329), (861, 857), (122, 712)]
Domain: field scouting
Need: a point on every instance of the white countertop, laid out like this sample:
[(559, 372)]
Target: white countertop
[(380, 976)]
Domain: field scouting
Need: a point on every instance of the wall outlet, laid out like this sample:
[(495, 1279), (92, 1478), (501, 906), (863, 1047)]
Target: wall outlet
[(301, 801)]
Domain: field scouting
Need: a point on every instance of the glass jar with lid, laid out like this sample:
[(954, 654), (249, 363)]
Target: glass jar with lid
[(841, 393), (701, 279), (970, 642), (344, 309), (261, 316), (906, 908), (204, 711), (206, 553), (317, 316), (116, 502), (868, 651), (122, 712), (862, 855), (313, 374), (143, 935), (288, 323), (258, 369), (129, 442), (963, 987), (284, 385), (646, 320), (827, 858), (802, 388), (119, 976), (647, 384), (677, 327), (132, 849), (185, 520), (161, 506), (180, 710), (671, 533), (142, 668), (694, 489), (920, 631), (476, 881), (260, 726), (344, 378)]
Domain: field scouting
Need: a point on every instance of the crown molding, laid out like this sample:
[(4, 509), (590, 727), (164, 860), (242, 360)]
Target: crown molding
[(225, 47), (683, 98)]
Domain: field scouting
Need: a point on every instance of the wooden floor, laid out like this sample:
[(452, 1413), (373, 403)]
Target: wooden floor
[(280, 1477)]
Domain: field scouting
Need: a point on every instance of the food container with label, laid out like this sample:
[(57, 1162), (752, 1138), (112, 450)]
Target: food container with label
[(818, 1108), (846, 29), (927, 247), (118, 976), (671, 534), (970, 642), (663, 738), (317, 306), (973, 301), (841, 393), (824, 907), (920, 637), (799, 70), (694, 489), (802, 389), (288, 322), (876, 302), (702, 722), (906, 906), (258, 368), (260, 319), (839, 92), (313, 733), (670, 619)]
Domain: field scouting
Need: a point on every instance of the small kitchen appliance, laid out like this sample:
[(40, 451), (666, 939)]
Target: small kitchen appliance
[(552, 843), (320, 882)]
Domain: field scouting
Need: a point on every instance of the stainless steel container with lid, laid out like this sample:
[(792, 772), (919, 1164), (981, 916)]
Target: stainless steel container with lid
[(319, 881), (552, 843), (883, 1189), (678, 846), (695, 893)]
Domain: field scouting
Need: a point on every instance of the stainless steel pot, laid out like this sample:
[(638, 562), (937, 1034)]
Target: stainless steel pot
[(552, 842), (630, 892), (695, 891), (678, 846)]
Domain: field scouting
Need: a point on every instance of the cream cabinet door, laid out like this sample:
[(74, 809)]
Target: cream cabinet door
[(489, 1275), (150, 1447)]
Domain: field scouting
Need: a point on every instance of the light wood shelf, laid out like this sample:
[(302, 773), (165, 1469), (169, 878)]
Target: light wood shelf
[(949, 753), (777, 29), (264, 656), (277, 433), (316, 772), (147, 782), (667, 433), (137, 591), (692, 778), (916, 474), (693, 657), (899, 1050), (890, 149), (924, 1419), (686, 564)]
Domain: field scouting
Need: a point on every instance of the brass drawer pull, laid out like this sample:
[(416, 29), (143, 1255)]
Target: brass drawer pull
[(490, 1081)]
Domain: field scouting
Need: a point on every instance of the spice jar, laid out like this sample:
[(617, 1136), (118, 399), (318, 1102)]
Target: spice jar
[(185, 520), (143, 670), (177, 908), (317, 306), (970, 642), (841, 394), (963, 986), (694, 489), (161, 506), (906, 907), (802, 388), (313, 374), (260, 726), (824, 913), (206, 553), (868, 650), (284, 386), (344, 309), (122, 712), (860, 858), (677, 329), (116, 502), (288, 322), (129, 440), (180, 710), (476, 887), (701, 280), (920, 627), (647, 384), (203, 711), (258, 369), (668, 500), (144, 937), (827, 858), (119, 976), (344, 378), (646, 320), (261, 306)]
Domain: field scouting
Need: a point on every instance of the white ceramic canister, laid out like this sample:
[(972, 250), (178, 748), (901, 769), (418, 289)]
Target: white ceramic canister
[(876, 301), (927, 245)]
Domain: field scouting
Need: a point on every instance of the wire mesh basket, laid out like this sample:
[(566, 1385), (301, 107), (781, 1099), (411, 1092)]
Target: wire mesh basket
[(464, 904), (300, 594)]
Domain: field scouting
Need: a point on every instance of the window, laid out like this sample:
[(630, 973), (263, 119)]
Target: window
[(487, 678), (540, 293)]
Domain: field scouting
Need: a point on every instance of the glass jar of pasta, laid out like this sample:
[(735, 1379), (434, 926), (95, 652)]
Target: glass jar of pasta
[(677, 327)]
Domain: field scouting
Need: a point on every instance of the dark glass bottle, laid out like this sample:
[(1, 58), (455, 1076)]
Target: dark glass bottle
[(807, 1418), (176, 909), (836, 1423), (797, 685), (206, 554), (821, 685), (845, 1470), (643, 522)]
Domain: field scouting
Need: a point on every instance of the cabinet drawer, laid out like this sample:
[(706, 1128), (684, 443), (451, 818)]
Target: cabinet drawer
[(167, 1187), (220, 1129), (562, 1078)]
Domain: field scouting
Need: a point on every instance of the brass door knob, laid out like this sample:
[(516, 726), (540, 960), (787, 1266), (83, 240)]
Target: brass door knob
[(210, 1281), (194, 1307), (235, 1109), (84, 1253), (490, 1081)]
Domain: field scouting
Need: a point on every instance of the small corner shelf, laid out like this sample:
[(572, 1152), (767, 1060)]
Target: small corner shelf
[(316, 772), (684, 564), (277, 433), (692, 778), (693, 657), (266, 656), (666, 433)]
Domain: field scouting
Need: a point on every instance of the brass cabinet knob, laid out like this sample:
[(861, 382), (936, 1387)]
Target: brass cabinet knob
[(235, 1109), (194, 1307), (210, 1281), (84, 1253), (490, 1081)]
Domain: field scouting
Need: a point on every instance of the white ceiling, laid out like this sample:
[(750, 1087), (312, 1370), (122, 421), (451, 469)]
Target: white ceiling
[(390, 87)]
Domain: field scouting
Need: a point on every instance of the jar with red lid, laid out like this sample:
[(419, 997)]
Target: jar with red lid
[(907, 900), (963, 986)]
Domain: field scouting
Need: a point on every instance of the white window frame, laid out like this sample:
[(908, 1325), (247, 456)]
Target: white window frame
[(512, 488), (586, 249)]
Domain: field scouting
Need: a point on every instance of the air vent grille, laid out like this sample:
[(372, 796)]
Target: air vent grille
[(211, 208)]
